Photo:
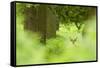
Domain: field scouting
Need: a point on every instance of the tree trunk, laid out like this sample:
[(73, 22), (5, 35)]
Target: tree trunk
[(41, 20)]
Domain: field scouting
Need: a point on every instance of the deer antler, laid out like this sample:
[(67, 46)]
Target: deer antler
[(73, 40)]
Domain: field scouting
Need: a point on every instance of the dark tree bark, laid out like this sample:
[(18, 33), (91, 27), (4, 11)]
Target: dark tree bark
[(41, 20)]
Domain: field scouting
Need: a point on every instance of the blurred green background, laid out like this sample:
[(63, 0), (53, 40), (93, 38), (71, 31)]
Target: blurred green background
[(74, 41)]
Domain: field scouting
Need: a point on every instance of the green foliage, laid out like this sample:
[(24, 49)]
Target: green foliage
[(29, 50), (60, 49), (72, 14), (65, 14), (21, 8)]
